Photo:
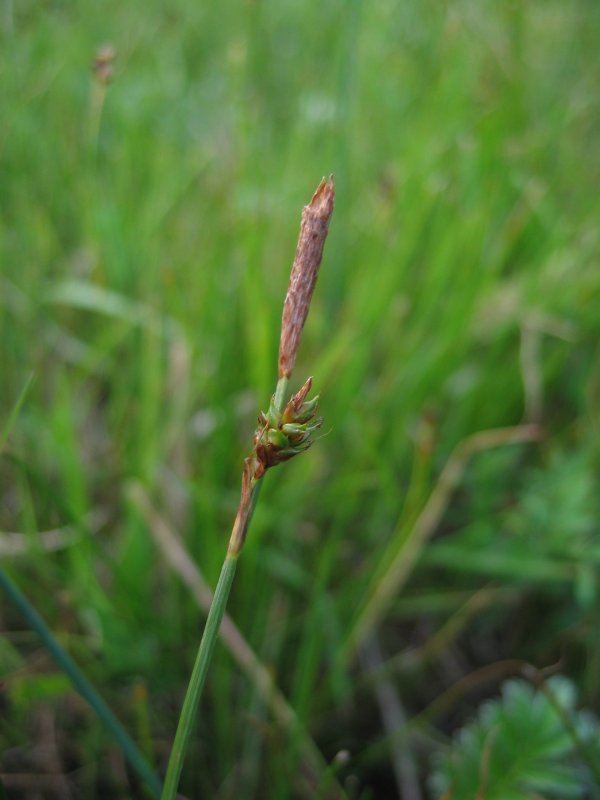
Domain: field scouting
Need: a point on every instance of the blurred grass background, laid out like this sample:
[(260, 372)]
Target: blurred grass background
[(146, 235)]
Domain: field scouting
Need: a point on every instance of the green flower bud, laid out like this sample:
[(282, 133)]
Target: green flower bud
[(293, 429), (282, 436), (276, 438), (307, 410)]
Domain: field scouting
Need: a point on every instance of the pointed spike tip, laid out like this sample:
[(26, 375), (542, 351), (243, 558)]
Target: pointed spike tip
[(322, 200)]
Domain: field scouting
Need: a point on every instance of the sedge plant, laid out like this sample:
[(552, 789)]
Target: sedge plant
[(284, 431)]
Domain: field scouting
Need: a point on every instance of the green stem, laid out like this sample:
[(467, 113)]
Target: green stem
[(198, 677), (83, 686), (207, 644)]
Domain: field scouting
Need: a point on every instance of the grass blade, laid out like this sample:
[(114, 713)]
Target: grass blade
[(130, 750), (15, 411)]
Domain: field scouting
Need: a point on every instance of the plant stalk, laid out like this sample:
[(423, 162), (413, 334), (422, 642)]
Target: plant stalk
[(198, 677), (213, 623), (130, 750), (276, 440)]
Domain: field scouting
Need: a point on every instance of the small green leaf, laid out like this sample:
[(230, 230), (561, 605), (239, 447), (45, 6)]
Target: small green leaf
[(522, 745)]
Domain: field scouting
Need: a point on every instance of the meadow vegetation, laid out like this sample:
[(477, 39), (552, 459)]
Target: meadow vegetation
[(437, 549)]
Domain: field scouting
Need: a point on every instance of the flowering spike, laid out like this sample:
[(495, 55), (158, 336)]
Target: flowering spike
[(282, 436), (305, 269)]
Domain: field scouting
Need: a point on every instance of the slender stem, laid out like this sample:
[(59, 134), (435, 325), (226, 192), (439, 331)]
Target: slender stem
[(198, 677), (84, 687), (96, 106), (211, 629)]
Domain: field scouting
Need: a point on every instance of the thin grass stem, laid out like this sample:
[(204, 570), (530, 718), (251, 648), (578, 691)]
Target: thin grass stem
[(181, 562), (207, 644), (130, 750), (198, 678)]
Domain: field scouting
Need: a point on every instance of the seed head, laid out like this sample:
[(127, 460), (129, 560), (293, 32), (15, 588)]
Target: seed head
[(305, 269), (283, 435), (103, 63)]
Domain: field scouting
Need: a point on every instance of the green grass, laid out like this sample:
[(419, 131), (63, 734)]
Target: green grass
[(144, 259)]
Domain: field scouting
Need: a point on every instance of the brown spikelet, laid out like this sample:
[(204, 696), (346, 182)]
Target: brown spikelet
[(305, 269), (103, 63)]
